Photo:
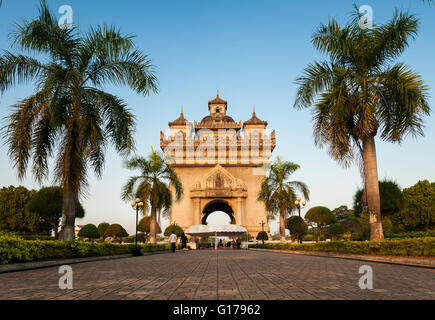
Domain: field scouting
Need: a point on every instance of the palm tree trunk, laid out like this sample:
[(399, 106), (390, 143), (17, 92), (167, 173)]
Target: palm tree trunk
[(69, 205), (159, 215), (153, 226), (372, 186), (281, 226)]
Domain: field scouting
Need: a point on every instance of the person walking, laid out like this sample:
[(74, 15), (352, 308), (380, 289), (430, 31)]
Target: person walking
[(173, 240)]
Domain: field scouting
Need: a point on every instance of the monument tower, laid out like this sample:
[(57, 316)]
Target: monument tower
[(220, 164)]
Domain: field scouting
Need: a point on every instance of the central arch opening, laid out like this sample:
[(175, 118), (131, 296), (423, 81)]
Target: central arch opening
[(215, 210)]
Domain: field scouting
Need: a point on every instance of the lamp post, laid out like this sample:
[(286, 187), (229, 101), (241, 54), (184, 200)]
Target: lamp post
[(300, 205), (262, 229), (136, 205)]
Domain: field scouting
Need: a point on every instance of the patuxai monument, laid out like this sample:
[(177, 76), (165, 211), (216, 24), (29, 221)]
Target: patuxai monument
[(221, 164)]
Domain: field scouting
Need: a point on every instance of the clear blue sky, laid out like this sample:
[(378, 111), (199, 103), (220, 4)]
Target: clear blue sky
[(252, 51)]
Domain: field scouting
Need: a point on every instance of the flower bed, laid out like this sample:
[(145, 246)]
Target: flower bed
[(404, 247)]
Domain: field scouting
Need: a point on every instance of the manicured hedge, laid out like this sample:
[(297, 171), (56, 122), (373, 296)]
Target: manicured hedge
[(14, 249), (414, 234), (405, 247)]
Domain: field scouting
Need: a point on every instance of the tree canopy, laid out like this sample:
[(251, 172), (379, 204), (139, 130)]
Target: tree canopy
[(89, 231), (13, 216), (47, 203), (115, 230), (418, 212), (178, 230), (320, 217)]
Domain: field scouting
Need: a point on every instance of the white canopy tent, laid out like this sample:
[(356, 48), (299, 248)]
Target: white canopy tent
[(202, 230)]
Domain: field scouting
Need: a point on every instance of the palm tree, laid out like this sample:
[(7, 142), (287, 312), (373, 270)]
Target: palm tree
[(278, 194), (154, 186), (70, 114), (360, 92)]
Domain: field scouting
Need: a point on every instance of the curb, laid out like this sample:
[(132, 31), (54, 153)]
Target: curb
[(24, 266), (410, 262)]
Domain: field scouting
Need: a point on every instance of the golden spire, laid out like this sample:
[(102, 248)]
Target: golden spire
[(217, 94), (253, 109), (181, 108)]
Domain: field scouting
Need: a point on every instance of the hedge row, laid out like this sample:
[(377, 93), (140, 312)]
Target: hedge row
[(413, 234), (405, 247), (14, 249)]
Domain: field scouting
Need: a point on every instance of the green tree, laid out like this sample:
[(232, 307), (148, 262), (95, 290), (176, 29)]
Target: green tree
[(391, 197), (418, 212), (359, 93), (144, 226), (262, 235), (335, 230), (115, 230), (102, 227), (13, 216), (89, 231), (47, 203), (278, 194), (152, 186), (69, 109), (320, 218), (297, 227), (173, 227)]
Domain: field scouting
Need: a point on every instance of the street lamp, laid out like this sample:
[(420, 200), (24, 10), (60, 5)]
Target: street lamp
[(300, 205), (137, 204)]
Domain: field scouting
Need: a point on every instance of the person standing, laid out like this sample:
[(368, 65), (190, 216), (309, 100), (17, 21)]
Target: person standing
[(173, 240), (183, 242)]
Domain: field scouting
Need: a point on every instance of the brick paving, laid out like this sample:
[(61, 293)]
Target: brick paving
[(225, 274)]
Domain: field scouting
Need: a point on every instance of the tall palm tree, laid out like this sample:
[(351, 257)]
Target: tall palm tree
[(70, 114), (154, 186), (278, 194), (360, 92)]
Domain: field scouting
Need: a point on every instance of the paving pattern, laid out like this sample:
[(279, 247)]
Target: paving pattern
[(223, 274)]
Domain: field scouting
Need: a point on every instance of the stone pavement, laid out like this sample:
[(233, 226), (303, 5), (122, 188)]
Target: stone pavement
[(225, 274)]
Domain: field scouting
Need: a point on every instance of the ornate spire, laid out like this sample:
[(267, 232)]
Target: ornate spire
[(253, 111), (181, 109), (254, 119)]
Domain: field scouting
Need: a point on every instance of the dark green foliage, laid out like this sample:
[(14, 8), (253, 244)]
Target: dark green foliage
[(414, 234), (391, 195), (297, 227), (262, 235), (335, 230), (178, 230), (115, 230), (145, 224), (320, 217), (102, 227), (418, 212), (47, 203), (89, 231), (14, 249), (407, 247), (13, 216)]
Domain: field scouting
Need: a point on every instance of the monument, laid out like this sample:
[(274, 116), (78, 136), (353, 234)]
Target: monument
[(221, 164)]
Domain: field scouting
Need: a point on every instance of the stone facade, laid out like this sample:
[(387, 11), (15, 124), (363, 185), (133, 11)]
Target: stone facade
[(220, 163)]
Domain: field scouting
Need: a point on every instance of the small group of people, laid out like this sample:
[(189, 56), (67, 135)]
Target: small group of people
[(173, 240)]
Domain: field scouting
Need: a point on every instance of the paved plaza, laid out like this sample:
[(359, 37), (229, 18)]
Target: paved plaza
[(222, 274)]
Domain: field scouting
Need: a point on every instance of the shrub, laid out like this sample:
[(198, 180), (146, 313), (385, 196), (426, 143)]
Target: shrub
[(14, 249), (414, 234), (262, 235), (89, 231), (178, 230), (102, 227), (115, 230), (406, 247)]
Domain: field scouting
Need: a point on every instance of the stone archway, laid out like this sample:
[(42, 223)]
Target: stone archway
[(217, 205)]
